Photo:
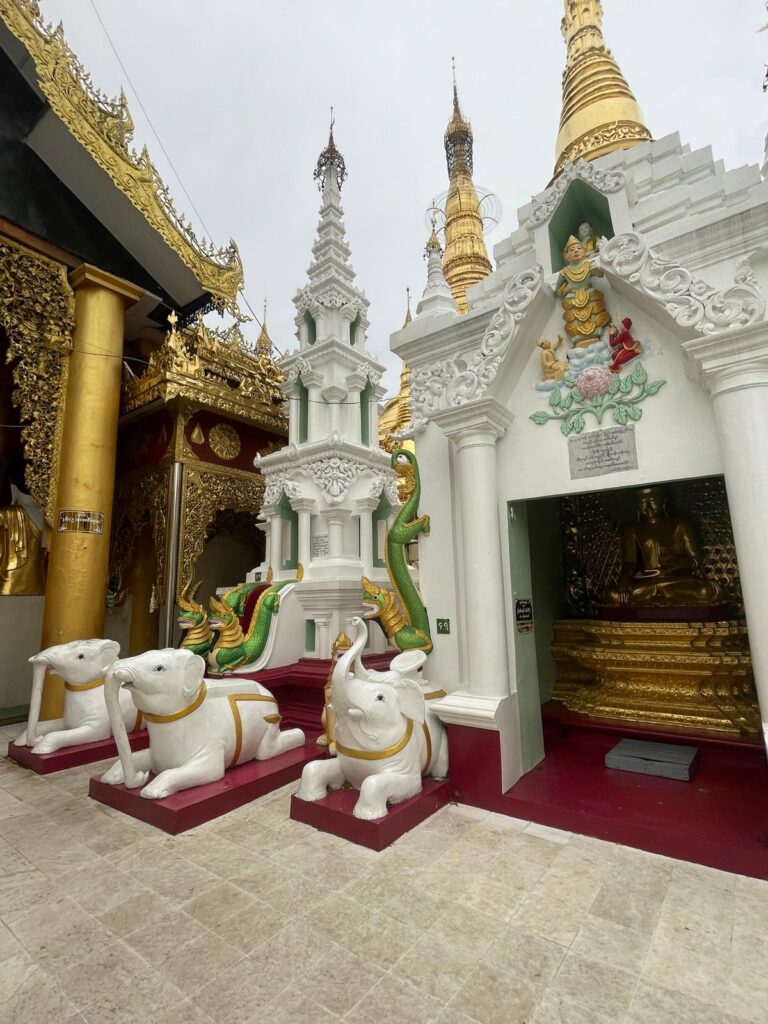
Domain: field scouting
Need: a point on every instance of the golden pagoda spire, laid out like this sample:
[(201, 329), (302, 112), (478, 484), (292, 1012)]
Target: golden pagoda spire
[(264, 342), (408, 315), (465, 260), (599, 114)]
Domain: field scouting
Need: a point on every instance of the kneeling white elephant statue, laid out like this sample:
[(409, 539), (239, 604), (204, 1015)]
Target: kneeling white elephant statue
[(384, 741), (82, 664), (197, 727)]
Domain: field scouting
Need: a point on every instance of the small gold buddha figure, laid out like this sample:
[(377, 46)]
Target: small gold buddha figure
[(552, 368), (661, 560), (584, 311)]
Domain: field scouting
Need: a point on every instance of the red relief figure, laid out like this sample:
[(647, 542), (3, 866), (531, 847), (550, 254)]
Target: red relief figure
[(624, 347)]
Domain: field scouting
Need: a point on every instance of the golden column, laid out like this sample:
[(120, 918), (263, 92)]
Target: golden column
[(600, 113), (79, 552), (465, 261)]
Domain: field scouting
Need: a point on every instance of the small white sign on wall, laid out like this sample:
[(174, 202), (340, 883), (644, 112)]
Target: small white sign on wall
[(598, 452)]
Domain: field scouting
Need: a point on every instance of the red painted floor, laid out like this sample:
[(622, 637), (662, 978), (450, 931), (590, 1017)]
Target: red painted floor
[(719, 818)]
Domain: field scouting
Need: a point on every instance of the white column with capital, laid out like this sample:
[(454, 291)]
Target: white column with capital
[(304, 508), (365, 509), (733, 368), (313, 382), (336, 518), (292, 398), (334, 396), (485, 701), (275, 540)]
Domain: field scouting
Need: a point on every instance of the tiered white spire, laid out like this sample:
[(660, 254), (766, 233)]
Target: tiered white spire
[(338, 309), (437, 297)]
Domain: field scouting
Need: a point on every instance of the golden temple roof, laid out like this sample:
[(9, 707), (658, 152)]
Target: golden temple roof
[(600, 113), (264, 342), (465, 260), (103, 127)]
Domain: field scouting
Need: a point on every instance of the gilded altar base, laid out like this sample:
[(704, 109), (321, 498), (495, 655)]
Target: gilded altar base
[(688, 675)]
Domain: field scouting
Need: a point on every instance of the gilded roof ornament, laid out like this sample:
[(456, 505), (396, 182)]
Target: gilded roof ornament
[(330, 158), (465, 261), (600, 114), (104, 128)]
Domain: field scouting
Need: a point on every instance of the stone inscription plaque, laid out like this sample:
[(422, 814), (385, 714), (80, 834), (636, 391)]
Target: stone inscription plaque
[(598, 452)]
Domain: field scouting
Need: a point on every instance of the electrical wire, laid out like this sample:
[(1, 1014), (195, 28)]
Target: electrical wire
[(164, 150)]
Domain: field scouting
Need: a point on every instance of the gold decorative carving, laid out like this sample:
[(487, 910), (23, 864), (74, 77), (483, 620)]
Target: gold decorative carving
[(206, 491), (141, 498), (37, 311), (690, 675), (197, 436), (216, 370), (592, 539), (224, 441), (605, 139), (104, 128)]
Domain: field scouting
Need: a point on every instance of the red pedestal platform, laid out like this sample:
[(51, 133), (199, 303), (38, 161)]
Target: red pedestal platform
[(334, 814), (719, 818), (73, 757), (192, 807)]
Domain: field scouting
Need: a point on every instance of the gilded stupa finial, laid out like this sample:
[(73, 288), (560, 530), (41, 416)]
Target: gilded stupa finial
[(330, 157), (264, 342), (465, 261), (408, 315), (600, 114)]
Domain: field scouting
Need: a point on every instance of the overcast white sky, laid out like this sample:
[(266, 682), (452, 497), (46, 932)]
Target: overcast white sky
[(239, 92)]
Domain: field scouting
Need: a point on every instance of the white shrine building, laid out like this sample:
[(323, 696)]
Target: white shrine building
[(682, 247)]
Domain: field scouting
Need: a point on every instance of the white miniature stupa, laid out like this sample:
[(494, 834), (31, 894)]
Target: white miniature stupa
[(330, 492)]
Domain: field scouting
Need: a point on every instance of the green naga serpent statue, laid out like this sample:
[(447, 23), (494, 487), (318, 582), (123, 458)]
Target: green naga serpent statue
[(193, 622), (401, 611), (234, 650)]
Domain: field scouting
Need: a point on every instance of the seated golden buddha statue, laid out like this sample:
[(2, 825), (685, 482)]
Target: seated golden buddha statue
[(661, 559), (584, 312)]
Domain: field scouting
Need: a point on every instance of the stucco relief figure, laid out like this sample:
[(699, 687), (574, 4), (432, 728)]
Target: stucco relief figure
[(197, 728), (661, 560), (584, 312), (21, 547), (385, 741), (82, 664), (552, 368), (588, 238), (624, 348)]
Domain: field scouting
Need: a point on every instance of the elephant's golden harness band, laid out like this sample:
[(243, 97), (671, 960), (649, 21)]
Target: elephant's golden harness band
[(78, 687), (377, 755), (435, 695), (162, 719), (233, 698)]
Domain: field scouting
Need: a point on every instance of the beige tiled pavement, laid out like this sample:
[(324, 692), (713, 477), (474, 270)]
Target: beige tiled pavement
[(473, 918)]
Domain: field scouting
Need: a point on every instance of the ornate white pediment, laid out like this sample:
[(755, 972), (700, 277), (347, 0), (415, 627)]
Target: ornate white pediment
[(544, 205), (689, 301)]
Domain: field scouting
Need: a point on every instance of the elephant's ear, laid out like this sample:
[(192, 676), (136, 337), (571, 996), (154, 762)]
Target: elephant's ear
[(411, 699), (193, 671), (109, 652)]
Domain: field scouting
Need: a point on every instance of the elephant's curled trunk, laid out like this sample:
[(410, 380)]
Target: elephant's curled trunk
[(39, 668), (112, 684)]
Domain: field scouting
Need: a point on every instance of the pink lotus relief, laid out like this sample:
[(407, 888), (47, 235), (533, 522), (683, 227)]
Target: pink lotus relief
[(594, 381)]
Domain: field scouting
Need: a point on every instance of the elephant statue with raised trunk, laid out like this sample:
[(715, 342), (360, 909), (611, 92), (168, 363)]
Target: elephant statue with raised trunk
[(385, 742), (82, 664), (198, 728)]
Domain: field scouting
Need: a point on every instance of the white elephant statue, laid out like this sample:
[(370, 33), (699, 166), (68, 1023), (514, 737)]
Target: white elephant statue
[(384, 743), (197, 727), (82, 664)]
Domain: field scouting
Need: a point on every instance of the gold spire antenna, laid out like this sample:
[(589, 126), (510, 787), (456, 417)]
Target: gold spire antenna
[(465, 261), (408, 316), (264, 342), (600, 113)]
